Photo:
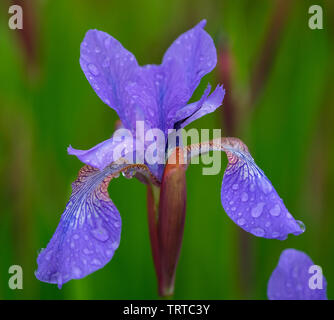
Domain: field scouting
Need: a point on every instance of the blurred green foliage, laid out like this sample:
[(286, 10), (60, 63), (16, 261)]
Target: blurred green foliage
[(46, 104)]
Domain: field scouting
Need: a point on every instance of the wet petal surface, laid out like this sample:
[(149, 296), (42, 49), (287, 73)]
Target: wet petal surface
[(251, 201), (89, 230), (292, 278)]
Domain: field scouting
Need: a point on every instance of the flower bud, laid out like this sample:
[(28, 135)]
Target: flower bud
[(172, 210)]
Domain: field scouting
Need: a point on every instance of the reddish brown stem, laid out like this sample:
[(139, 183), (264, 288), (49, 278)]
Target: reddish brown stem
[(152, 226)]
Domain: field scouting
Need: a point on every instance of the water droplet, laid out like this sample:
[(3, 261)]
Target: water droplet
[(275, 234), (258, 232), (109, 253), (265, 185), (93, 69), (76, 272), (235, 187), (59, 280), (244, 197), (257, 210), (241, 221), (106, 63), (87, 251), (275, 210), (97, 50), (96, 262), (114, 245), (100, 234), (301, 225), (107, 42)]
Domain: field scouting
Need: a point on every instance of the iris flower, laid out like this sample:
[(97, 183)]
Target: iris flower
[(292, 279), (89, 230)]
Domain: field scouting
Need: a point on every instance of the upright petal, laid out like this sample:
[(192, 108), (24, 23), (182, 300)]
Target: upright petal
[(247, 195), (160, 92), (196, 55), (291, 278), (89, 230), (108, 67)]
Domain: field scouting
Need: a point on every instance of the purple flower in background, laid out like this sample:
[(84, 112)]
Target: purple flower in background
[(296, 278), (89, 230)]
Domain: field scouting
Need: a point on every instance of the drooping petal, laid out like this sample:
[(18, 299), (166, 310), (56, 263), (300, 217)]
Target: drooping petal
[(108, 67), (247, 195), (292, 278), (89, 230), (196, 55), (193, 111), (251, 201)]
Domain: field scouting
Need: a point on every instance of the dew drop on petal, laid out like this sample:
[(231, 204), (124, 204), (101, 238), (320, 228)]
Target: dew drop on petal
[(241, 221), (275, 210), (100, 234), (244, 197), (76, 272), (257, 210), (275, 234), (265, 185), (93, 69), (235, 187), (258, 232), (96, 262), (301, 225)]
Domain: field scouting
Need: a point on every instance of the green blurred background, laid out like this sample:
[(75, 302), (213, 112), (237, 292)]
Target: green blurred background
[(279, 79)]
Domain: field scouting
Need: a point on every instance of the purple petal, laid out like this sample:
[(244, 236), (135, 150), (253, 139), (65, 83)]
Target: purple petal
[(105, 152), (159, 92), (251, 201), (88, 232), (198, 109), (108, 67), (291, 278), (196, 55)]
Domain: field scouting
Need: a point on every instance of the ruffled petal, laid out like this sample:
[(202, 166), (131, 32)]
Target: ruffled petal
[(89, 229), (108, 66), (193, 111), (291, 278)]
